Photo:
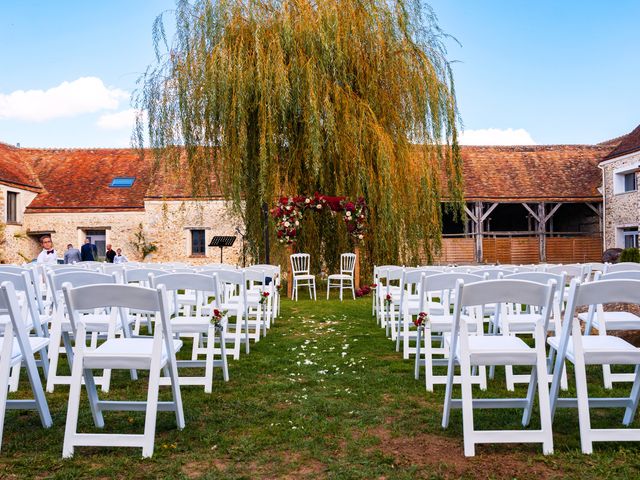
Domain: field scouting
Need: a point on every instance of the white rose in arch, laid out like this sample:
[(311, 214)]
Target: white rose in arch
[(348, 214), (307, 200), (297, 223), (319, 207), (360, 236), (286, 224)]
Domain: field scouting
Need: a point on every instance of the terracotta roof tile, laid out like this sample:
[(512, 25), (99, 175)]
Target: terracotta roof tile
[(567, 173), (628, 144), (79, 179), (16, 171)]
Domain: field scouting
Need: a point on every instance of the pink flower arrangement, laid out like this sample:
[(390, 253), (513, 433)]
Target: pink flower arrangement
[(289, 211)]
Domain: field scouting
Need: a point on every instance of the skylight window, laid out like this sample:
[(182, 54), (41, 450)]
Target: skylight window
[(122, 182)]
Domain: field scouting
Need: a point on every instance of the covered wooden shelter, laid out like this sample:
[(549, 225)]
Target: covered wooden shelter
[(528, 204)]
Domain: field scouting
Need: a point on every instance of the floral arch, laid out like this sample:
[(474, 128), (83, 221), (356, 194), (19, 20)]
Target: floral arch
[(288, 213)]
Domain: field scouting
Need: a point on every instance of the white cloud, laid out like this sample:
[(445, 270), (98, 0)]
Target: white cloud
[(496, 136), (69, 99), (118, 121)]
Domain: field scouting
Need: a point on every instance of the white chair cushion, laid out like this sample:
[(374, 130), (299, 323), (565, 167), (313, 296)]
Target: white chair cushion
[(615, 320), (125, 353), (499, 350), (602, 349)]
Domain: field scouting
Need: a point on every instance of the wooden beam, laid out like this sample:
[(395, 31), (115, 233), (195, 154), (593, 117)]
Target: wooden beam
[(533, 214), (470, 213), (479, 230), (598, 210), (542, 231), (489, 210), (553, 210)]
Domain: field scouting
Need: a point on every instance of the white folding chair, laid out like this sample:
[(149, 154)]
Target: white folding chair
[(300, 268), (411, 304), (198, 325), (439, 324), (345, 279), (582, 350), (621, 267), (603, 321), (99, 324), (140, 276), (469, 350), (155, 354), (17, 349), (233, 300), (513, 320)]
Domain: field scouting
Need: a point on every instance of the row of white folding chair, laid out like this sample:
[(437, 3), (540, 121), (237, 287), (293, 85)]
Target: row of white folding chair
[(100, 325), (16, 350), (571, 344), (197, 324), (439, 325), (34, 323), (412, 301), (622, 267)]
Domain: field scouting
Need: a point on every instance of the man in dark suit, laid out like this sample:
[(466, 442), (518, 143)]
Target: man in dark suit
[(110, 254), (87, 251)]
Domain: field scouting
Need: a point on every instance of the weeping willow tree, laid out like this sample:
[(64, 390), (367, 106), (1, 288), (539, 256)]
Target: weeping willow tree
[(287, 97)]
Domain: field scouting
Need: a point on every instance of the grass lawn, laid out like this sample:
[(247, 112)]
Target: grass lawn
[(324, 395)]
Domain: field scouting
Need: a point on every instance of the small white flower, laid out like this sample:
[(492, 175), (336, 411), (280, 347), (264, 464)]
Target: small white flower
[(360, 237), (286, 224), (297, 223), (348, 214), (307, 200), (319, 206)]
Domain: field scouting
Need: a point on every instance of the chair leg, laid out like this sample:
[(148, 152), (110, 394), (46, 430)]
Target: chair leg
[(152, 410), (73, 408), (92, 394), (5, 368), (583, 407), (208, 365), (467, 409), (630, 411)]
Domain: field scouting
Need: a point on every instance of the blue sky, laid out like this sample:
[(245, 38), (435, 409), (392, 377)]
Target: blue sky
[(527, 71)]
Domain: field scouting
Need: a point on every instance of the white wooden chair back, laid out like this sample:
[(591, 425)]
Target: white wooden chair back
[(300, 263)]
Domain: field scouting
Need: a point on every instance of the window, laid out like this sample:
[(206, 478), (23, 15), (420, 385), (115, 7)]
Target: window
[(630, 182), (122, 182), (12, 207), (630, 236), (198, 245)]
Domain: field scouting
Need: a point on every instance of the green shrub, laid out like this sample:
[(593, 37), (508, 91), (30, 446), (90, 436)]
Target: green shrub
[(630, 255)]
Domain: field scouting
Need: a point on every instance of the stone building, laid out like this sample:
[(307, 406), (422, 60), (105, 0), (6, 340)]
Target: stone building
[(525, 204), (109, 196), (621, 196)]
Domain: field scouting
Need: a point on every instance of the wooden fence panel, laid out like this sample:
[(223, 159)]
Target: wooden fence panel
[(574, 249), (456, 250)]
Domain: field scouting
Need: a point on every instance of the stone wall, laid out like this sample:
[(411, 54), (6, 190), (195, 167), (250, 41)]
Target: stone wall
[(621, 209), (169, 225), (14, 240)]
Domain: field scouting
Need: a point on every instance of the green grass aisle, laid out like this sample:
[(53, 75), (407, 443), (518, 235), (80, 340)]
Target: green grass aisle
[(324, 395)]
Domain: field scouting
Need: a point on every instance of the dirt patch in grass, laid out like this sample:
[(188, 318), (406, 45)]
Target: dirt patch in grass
[(445, 457), (198, 469)]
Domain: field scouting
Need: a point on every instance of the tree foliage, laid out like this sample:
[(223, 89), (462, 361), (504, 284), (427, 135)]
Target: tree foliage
[(287, 97)]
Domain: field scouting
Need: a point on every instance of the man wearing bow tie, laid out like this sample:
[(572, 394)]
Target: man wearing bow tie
[(48, 254)]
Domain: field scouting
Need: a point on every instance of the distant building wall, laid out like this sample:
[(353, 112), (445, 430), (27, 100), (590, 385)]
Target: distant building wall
[(622, 209)]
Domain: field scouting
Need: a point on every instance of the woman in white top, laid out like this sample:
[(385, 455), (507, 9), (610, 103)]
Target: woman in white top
[(119, 258)]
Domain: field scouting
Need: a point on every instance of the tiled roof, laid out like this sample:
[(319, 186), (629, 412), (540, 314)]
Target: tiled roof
[(79, 179), (567, 173), (169, 184), (628, 144), (15, 171)]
